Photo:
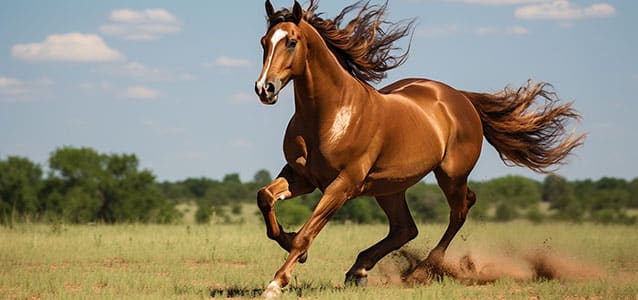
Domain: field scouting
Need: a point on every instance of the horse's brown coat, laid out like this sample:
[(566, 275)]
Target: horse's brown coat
[(348, 139)]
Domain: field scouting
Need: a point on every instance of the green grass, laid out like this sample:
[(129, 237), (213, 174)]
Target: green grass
[(190, 261)]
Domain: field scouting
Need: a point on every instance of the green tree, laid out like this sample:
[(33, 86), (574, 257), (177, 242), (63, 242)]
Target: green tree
[(20, 183), (519, 191), (633, 193), (292, 213), (505, 211), (203, 214), (85, 186), (561, 196), (76, 174), (262, 178), (197, 187), (427, 203), (360, 210)]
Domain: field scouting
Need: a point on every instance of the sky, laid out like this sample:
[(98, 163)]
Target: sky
[(173, 81)]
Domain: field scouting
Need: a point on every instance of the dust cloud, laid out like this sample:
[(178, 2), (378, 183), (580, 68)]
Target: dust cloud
[(482, 267)]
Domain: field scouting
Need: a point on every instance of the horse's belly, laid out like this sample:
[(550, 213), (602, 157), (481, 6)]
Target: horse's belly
[(386, 179), (376, 184)]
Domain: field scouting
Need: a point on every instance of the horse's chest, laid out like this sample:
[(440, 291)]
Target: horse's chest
[(312, 162)]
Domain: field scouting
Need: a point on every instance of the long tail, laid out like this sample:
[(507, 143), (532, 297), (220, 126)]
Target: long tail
[(536, 138)]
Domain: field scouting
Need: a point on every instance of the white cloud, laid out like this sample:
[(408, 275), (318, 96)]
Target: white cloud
[(139, 71), (149, 24), (158, 15), (563, 10), (141, 92), (498, 2), (232, 62), (74, 47)]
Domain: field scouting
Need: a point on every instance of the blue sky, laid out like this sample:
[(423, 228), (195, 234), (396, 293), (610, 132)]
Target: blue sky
[(172, 81)]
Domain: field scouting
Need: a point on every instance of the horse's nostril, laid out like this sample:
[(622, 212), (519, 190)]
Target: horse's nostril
[(270, 88)]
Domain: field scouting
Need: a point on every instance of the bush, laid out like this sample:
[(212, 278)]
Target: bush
[(203, 213), (535, 215), (505, 212), (292, 213)]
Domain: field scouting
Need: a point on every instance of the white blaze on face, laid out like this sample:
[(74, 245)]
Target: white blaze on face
[(274, 39), (340, 124)]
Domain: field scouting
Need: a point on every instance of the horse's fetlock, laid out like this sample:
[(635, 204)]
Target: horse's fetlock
[(411, 232), (271, 235)]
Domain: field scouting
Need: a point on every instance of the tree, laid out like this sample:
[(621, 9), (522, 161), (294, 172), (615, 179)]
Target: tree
[(557, 191), (560, 194), (633, 193), (262, 178), (360, 210), (505, 211), (427, 203), (197, 187), (85, 186), (292, 212), (20, 183), (519, 191)]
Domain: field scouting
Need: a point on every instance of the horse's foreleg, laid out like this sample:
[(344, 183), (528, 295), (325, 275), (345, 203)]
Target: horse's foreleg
[(337, 193), (287, 185), (402, 230)]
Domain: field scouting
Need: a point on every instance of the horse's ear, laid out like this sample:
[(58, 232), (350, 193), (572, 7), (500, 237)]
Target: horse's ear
[(297, 12), (269, 9)]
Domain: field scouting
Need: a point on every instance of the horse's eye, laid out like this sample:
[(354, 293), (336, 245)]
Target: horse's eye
[(292, 44)]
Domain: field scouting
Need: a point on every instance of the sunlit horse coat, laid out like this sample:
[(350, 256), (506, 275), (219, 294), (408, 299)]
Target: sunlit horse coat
[(348, 139)]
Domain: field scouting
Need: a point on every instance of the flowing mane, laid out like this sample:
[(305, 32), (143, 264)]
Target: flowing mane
[(364, 46)]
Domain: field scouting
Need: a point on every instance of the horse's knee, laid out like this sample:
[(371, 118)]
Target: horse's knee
[(300, 242), (264, 199)]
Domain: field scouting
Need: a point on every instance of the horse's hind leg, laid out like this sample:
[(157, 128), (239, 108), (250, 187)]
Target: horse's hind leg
[(402, 230), (460, 198)]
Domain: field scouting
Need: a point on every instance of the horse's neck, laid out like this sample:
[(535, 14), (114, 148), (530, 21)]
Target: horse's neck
[(321, 91)]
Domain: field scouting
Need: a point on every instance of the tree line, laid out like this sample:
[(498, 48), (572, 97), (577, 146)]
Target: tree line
[(82, 186)]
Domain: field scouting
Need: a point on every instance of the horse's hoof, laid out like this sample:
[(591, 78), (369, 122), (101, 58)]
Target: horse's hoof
[(302, 259), (356, 280), (272, 291)]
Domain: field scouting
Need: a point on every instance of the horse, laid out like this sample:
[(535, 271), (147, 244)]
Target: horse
[(348, 139)]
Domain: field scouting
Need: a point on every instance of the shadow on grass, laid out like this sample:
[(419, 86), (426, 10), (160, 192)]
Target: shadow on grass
[(300, 291)]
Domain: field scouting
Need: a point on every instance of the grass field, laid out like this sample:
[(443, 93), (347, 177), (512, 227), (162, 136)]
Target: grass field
[(191, 262)]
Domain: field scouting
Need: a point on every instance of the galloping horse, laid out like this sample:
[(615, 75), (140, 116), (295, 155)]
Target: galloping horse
[(348, 139)]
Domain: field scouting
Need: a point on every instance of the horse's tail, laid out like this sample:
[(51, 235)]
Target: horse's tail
[(536, 138)]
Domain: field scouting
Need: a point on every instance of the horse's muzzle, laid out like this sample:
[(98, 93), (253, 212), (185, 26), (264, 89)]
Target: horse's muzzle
[(268, 93)]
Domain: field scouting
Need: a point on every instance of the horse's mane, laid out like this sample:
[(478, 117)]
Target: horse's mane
[(363, 46)]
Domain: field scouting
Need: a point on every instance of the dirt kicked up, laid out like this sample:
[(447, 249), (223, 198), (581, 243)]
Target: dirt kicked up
[(405, 267)]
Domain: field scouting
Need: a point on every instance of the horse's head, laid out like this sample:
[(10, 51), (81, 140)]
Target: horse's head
[(284, 52)]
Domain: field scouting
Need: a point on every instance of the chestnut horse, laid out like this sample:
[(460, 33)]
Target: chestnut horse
[(348, 139)]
